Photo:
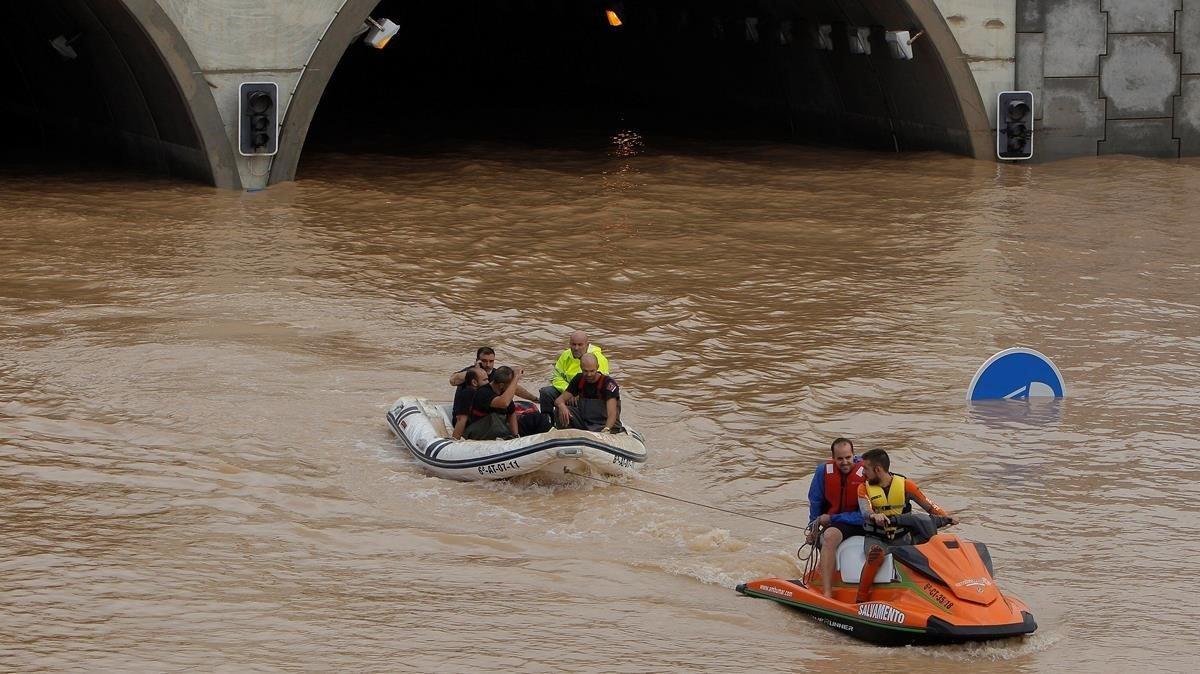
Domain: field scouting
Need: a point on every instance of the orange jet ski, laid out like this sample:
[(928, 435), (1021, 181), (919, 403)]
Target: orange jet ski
[(937, 592)]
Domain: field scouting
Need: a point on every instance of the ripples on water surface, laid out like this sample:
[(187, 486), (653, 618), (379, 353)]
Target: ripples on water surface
[(196, 473)]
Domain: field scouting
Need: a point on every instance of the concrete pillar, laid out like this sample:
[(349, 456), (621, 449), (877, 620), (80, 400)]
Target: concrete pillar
[(237, 41)]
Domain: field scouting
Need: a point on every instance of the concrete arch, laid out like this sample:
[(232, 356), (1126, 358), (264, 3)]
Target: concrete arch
[(932, 102), (311, 86), (194, 90), (132, 92), (953, 62)]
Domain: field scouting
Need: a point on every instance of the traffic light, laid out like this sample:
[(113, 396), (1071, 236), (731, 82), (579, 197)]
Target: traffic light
[(1014, 125), (258, 130)]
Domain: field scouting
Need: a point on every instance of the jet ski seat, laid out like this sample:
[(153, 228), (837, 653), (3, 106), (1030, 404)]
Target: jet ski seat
[(851, 557)]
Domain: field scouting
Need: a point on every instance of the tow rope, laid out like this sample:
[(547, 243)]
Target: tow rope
[(683, 500)]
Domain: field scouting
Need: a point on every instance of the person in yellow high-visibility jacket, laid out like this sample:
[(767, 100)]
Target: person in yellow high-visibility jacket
[(566, 367)]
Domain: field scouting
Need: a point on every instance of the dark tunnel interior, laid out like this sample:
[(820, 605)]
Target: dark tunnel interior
[(544, 71), (86, 89)]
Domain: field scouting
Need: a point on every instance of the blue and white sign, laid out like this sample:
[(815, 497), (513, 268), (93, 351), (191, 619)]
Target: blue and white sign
[(1017, 374)]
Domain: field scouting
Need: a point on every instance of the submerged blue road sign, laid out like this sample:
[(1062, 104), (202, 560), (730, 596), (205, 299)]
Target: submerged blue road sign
[(1016, 374)]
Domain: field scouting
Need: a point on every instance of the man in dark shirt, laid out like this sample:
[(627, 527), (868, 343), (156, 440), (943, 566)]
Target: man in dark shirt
[(485, 359), (493, 415), (591, 401), (461, 411)]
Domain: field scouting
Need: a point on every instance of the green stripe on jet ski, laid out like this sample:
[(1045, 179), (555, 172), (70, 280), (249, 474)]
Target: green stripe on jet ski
[(907, 581)]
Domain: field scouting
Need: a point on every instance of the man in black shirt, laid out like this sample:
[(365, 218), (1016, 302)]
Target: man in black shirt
[(461, 412), (591, 401), (493, 415), (485, 359)]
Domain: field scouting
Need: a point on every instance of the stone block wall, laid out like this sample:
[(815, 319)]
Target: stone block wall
[(1111, 76)]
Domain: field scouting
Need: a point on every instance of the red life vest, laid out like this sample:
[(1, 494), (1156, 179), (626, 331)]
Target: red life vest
[(593, 391), (841, 491)]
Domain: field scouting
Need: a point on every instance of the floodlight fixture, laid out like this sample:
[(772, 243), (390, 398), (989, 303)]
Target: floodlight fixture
[(380, 32), (63, 46)]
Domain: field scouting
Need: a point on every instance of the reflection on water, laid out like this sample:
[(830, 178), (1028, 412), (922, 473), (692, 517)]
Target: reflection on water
[(196, 472), (1000, 414), (627, 143)]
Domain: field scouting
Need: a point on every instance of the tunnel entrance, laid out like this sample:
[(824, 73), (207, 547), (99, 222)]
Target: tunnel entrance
[(88, 88), (551, 72)]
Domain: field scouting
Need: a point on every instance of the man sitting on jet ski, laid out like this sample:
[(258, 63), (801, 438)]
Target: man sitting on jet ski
[(885, 502), (833, 506)]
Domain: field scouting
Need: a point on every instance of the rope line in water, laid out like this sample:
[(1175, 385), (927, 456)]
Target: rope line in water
[(683, 500)]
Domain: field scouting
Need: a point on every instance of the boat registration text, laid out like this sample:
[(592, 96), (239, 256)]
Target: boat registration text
[(502, 467)]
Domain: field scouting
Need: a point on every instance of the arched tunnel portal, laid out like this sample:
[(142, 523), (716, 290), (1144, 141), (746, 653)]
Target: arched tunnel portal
[(107, 83), (706, 69), (115, 82)]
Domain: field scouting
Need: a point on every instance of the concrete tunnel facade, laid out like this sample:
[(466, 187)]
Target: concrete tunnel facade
[(154, 82)]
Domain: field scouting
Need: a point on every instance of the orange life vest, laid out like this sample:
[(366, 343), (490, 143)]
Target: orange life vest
[(841, 491)]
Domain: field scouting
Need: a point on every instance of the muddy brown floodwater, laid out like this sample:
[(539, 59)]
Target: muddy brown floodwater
[(195, 472)]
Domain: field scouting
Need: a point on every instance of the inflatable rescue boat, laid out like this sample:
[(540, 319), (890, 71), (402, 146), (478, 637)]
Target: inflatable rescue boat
[(424, 428), (938, 592)]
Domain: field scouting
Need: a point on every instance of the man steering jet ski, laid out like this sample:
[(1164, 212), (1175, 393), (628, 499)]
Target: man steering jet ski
[(885, 501), (903, 583)]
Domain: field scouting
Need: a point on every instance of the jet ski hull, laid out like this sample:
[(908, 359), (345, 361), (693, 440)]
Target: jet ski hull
[(941, 592), (913, 630)]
